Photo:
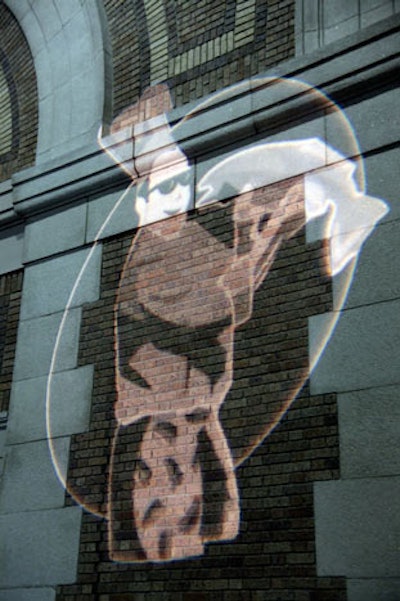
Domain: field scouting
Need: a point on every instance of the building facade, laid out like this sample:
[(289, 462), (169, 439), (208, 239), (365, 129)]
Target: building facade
[(199, 300)]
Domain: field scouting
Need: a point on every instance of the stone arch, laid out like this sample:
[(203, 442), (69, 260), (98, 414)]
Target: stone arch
[(18, 98), (70, 49)]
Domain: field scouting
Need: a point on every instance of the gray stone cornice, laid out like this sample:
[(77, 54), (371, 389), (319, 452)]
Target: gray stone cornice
[(344, 70)]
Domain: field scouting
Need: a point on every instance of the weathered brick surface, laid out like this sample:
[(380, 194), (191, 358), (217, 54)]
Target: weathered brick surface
[(17, 65), (197, 48), (10, 301), (273, 556)]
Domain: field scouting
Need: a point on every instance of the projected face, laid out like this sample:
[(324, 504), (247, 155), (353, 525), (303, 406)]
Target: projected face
[(169, 192), (189, 282)]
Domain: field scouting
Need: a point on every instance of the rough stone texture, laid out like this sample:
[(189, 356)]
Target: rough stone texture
[(39, 548), (29, 482), (369, 119), (36, 344), (28, 594), (358, 527), (387, 589), (69, 405), (380, 168), (56, 232), (375, 11), (364, 350), (11, 249), (320, 22), (369, 423), (2, 442), (339, 12), (61, 275), (99, 208), (376, 278)]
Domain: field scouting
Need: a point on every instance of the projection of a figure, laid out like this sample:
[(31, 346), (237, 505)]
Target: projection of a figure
[(164, 341), (175, 328)]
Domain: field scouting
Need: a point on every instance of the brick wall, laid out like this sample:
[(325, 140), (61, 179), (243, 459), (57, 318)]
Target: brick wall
[(196, 48), (10, 300), (273, 556), (19, 112)]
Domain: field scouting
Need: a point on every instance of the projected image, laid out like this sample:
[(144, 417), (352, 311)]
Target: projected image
[(182, 294), (186, 296)]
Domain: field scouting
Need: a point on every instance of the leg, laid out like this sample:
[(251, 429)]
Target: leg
[(167, 491), (124, 544), (184, 491)]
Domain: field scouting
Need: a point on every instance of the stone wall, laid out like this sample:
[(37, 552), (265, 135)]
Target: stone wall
[(319, 22)]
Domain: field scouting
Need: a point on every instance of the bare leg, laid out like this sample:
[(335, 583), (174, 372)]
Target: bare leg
[(175, 508)]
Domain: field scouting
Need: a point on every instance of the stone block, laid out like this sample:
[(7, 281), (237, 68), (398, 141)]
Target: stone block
[(369, 426), (310, 14), (376, 14), (341, 30), (339, 11), (368, 5), (48, 18), (66, 10), (367, 589), (30, 25), (270, 92), (92, 14), (19, 8), (377, 277), (79, 42), (3, 435), (62, 119), (59, 275), (28, 594), (311, 41), (36, 344), (223, 116), (370, 121), (86, 105), (382, 179), (357, 525), (34, 188), (43, 73), (69, 405), (100, 210), (58, 53), (29, 481), (363, 352), (45, 133), (39, 548), (55, 232), (313, 128), (11, 249)]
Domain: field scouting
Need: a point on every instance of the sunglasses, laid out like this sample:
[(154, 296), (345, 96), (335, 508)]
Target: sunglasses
[(168, 185)]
